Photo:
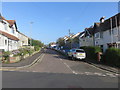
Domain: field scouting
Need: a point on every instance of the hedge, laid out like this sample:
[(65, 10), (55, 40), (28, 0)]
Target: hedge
[(112, 56), (91, 51)]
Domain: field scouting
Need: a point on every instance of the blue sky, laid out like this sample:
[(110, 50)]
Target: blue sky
[(52, 20)]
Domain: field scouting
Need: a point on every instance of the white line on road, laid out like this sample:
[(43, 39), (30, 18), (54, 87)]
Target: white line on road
[(97, 67), (39, 60), (69, 67), (111, 75)]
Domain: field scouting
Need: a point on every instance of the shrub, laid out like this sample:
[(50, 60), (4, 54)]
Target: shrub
[(112, 56), (30, 52), (6, 55), (36, 48), (91, 52)]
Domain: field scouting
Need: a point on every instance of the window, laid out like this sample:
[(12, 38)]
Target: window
[(119, 46), (101, 34), (5, 42), (12, 30), (115, 32), (5, 25), (97, 35)]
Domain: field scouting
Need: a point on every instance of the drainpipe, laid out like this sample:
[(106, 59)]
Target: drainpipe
[(111, 30), (117, 29)]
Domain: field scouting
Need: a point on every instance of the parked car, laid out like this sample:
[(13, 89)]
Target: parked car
[(77, 54)]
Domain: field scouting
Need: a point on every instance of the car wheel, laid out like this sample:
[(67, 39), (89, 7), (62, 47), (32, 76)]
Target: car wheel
[(73, 58)]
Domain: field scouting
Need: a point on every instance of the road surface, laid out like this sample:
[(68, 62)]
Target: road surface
[(55, 71)]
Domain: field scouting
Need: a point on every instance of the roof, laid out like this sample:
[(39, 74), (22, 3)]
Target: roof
[(2, 18), (107, 23), (11, 22), (89, 31), (9, 36), (76, 35), (23, 34)]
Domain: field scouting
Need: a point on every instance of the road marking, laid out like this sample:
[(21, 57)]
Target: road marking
[(68, 67), (111, 75), (97, 67), (60, 59), (38, 61), (89, 73)]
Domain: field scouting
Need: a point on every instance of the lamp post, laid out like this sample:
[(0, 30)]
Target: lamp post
[(70, 39), (31, 33)]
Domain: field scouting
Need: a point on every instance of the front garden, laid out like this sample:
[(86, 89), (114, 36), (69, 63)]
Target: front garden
[(20, 54)]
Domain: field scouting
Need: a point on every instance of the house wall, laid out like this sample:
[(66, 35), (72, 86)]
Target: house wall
[(4, 40), (107, 38), (23, 40), (86, 41)]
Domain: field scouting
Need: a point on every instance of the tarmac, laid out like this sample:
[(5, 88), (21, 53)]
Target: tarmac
[(33, 58)]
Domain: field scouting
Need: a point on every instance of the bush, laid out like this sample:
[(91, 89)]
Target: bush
[(6, 55), (91, 52), (30, 52), (36, 48), (112, 56), (23, 52)]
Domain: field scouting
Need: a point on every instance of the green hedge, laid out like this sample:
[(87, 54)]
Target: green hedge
[(91, 52), (112, 56)]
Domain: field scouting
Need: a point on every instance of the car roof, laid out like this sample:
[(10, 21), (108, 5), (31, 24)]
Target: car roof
[(77, 49)]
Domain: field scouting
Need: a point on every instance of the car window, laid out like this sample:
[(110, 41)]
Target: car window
[(80, 51)]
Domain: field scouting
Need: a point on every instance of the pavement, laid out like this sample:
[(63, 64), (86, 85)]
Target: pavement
[(53, 70), (24, 62), (105, 67)]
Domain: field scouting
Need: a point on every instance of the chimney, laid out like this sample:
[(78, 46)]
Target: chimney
[(102, 19)]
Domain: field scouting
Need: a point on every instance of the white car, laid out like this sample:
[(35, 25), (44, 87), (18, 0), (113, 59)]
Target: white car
[(77, 54)]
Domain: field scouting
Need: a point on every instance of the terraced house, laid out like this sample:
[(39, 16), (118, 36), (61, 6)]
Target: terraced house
[(8, 34)]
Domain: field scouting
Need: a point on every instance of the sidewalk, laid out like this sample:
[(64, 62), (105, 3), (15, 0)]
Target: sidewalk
[(23, 62), (104, 66)]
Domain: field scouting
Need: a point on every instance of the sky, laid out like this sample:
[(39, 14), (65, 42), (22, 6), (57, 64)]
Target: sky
[(52, 20)]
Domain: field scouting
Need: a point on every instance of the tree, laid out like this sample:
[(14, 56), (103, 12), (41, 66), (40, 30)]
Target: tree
[(37, 43), (60, 41)]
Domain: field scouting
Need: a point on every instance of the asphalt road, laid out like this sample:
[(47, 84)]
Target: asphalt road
[(55, 71)]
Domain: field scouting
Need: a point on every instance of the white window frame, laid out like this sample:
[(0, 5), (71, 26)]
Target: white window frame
[(98, 33)]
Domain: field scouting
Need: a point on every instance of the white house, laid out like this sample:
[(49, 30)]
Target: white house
[(23, 40), (107, 32), (8, 34), (86, 37)]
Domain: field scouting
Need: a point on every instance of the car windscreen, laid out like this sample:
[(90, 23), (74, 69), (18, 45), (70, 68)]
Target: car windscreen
[(80, 51)]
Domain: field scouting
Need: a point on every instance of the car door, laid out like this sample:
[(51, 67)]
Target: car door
[(70, 53)]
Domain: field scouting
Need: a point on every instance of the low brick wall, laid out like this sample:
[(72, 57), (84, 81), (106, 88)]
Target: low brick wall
[(18, 58), (15, 59)]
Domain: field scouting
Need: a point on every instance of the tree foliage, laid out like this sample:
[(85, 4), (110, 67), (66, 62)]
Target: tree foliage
[(37, 43), (60, 41)]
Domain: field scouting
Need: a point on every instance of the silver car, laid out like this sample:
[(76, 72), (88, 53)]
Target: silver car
[(77, 54)]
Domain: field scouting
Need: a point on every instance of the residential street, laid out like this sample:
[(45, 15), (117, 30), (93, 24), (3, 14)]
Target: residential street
[(55, 71)]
